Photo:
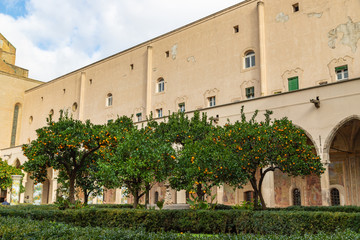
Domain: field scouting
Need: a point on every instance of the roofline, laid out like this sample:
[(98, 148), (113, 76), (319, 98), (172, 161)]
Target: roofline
[(8, 41), (148, 42), (21, 77)]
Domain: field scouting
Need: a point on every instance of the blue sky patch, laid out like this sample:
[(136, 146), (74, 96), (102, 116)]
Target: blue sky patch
[(14, 8)]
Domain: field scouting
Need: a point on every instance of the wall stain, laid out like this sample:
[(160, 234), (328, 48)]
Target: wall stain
[(350, 32)]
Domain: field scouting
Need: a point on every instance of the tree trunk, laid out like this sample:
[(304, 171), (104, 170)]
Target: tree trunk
[(136, 199), (256, 191), (147, 195), (72, 189), (263, 204), (199, 192), (86, 197)]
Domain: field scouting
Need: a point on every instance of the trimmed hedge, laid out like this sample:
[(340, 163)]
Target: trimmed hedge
[(348, 209), (21, 228), (205, 221)]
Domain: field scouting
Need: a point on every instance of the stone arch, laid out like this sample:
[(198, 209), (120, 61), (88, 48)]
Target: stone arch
[(342, 150), (335, 130), (310, 138), (17, 163)]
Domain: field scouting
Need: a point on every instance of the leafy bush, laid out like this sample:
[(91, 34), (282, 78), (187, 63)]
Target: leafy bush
[(349, 209), (22, 228), (200, 221)]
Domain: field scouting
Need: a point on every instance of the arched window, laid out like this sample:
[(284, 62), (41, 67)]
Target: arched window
[(156, 198), (249, 59), (296, 197), (334, 197), (14, 125), (160, 85), (109, 100), (17, 163)]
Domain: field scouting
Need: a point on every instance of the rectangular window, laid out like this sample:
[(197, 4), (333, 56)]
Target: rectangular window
[(296, 7), (342, 72), (167, 54), (159, 112), (139, 117), (250, 93), (236, 29), (212, 101), (182, 107), (293, 83), (161, 85)]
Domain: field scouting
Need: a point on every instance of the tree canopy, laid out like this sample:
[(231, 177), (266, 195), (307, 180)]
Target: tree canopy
[(6, 171), (69, 146), (267, 146), (138, 161)]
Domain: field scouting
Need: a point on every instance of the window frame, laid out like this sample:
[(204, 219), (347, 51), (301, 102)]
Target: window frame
[(335, 199), (182, 107), (342, 71), (160, 85), (159, 112), (250, 92), (296, 197), (212, 101), (139, 117), (249, 59), (290, 82), (109, 100)]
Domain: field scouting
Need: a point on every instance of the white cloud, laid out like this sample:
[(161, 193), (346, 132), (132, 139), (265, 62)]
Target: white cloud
[(56, 37)]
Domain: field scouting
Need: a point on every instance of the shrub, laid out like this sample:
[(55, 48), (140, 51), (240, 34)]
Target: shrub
[(22, 228), (200, 221)]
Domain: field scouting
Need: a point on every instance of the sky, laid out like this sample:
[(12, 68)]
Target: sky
[(55, 37)]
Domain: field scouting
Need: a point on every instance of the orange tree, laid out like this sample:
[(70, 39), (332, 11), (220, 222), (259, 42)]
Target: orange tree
[(139, 160), (203, 161), (68, 146), (267, 146), (6, 171)]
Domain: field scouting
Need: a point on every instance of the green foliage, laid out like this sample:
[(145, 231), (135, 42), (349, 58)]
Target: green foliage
[(160, 204), (244, 206), (64, 203), (138, 161), (200, 221), (70, 147), (6, 171), (258, 148), (18, 228)]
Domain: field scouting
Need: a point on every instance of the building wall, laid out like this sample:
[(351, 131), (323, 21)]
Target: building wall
[(206, 58)]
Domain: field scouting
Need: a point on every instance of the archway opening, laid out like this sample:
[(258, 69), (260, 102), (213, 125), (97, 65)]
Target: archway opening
[(344, 167)]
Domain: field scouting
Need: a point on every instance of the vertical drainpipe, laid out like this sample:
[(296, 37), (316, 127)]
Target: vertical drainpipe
[(262, 47), (82, 96), (149, 80)]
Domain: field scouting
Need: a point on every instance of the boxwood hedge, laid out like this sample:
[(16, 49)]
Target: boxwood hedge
[(23, 228), (205, 221)]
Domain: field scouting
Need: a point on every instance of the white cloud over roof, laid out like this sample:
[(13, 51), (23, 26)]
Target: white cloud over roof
[(54, 37)]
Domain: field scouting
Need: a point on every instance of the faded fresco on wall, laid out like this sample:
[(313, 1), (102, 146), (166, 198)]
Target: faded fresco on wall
[(313, 191), (336, 172), (348, 32), (229, 195), (282, 186)]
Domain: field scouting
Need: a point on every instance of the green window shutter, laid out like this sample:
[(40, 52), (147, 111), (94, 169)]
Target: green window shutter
[(293, 83), (345, 67)]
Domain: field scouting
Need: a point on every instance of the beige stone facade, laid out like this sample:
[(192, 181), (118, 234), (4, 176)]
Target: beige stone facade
[(271, 54)]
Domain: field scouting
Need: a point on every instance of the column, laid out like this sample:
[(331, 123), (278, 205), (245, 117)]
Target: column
[(325, 180), (15, 189), (181, 197), (82, 96), (220, 194), (149, 80), (262, 47), (268, 189), (37, 194)]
